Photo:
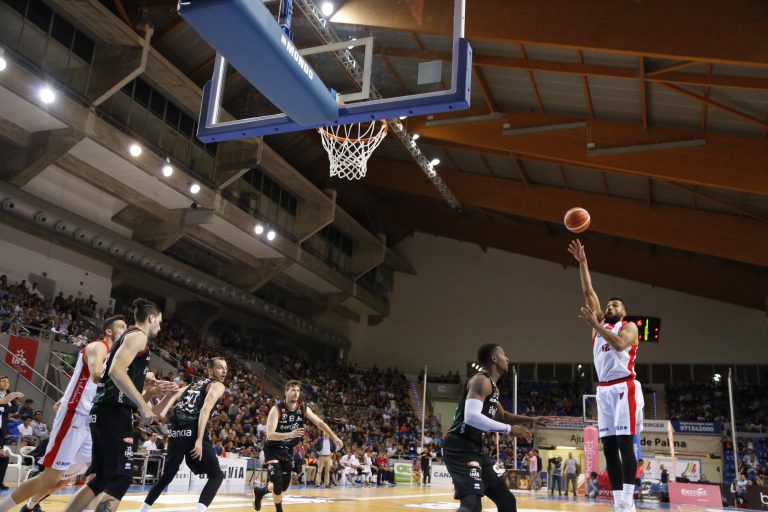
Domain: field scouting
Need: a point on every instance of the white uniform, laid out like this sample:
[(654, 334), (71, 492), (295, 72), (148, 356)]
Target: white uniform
[(619, 396), (69, 448)]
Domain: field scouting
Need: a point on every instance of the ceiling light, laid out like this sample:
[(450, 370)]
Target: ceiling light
[(416, 136), (258, 229), (167, 169), (3, 62), (194, 188), (327, 9), (134, 150), (403, 117), (47, 95), (435, 161), (271, 235)]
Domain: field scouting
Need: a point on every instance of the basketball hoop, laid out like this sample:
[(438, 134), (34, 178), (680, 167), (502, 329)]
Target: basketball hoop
[(350, 146)]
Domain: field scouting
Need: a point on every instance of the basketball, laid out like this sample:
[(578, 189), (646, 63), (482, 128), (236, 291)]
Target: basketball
[(576, 220)]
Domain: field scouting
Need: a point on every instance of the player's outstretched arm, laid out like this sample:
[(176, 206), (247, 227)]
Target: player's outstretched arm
[(590, 296), (478, 389), (627, 335), (161, 408), (314, 418), (273, 434), (517, 419), (133, 344), (215, 390)]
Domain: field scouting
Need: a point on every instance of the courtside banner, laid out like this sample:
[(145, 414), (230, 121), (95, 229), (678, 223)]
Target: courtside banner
[(402, 471), (757, 497), (695, 494), (651, 442), (21, 352), (235, 471), (440, 474)]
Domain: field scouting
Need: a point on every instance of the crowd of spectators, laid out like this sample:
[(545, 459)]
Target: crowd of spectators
[(535, 398), (709, 402), (24, 309)]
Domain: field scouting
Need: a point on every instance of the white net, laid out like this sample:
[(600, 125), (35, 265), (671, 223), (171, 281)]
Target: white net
[(350, 146)]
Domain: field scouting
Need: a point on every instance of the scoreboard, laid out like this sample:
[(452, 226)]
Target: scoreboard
[(648, 327)]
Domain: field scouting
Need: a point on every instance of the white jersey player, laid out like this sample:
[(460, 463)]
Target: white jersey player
[(69, 447), (619, 395)]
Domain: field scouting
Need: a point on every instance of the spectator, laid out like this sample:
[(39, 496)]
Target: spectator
[(151, 444), (325, 448), (556, 464), (40, 429), (639, 472), (26, 432), (533, 471), (571, 473), (416, 471), (593, 486), (27, 409), (426, 466)]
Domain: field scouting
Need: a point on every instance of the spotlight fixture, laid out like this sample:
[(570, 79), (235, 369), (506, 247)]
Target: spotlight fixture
[(47, 95), (3, 62), (134, 150), (258, 229), (194, 188), (435, 161), (327, 9), (403, 118), (167, 169), (415, 136), (271, 235)]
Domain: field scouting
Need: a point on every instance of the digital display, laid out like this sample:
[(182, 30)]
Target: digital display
[(648, 327)]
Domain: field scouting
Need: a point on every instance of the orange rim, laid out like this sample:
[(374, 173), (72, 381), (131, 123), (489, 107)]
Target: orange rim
[(366, 140)]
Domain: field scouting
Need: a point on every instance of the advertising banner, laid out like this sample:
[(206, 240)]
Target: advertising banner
[(757, 497), (235, 471), (440, 474), (21, 352), (591, 450), (691, 468), (695, 494), (697, 427), (402, 471), (650, 442)]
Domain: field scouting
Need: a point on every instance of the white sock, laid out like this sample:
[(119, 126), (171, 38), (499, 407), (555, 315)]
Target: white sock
[(201, 508), (618, 498), (145, 507), (629, 493), (7, 503)]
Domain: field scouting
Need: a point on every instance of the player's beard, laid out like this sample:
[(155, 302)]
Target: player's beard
[(612, 319)]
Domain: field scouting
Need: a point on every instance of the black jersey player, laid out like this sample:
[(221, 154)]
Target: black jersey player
[(188, 436), (119, 395), (285, 428), (478, 411)]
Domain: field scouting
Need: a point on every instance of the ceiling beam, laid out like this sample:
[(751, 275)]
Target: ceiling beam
[(713, 234), (725, 108), (725, 161), (587, 92), (580, 68), (722, 32), (484, 88), (713, 279)]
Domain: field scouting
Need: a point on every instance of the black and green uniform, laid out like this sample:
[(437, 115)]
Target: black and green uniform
[(112, 415), (471, 469), (281, 452), (182, 434)]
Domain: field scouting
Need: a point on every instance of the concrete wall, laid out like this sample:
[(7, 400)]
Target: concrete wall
[(463, 296), (22, 254)]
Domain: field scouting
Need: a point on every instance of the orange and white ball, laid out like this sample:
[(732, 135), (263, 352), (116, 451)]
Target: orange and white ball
[(577, 220)]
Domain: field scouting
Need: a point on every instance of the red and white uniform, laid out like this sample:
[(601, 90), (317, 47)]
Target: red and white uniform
[(69, 448), (619, 396)]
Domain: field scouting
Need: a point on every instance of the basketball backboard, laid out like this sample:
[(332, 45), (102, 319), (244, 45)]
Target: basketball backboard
[(345, 61)]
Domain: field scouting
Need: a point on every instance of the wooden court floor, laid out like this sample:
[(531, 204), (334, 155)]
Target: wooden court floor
[(402, 498)]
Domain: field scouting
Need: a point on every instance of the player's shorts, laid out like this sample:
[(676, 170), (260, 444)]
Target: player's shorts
[(279, 473), (470, 469), (181, 441), (620, 408), (69, 446), (111, 425)]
